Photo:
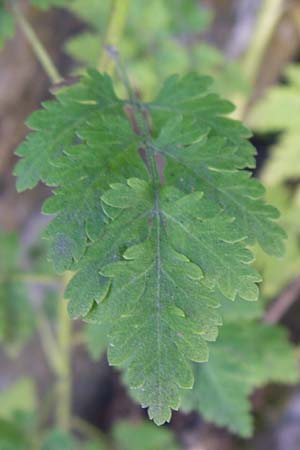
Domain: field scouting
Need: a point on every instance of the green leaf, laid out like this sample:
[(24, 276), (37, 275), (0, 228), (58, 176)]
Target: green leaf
[(177, 313), (79, 170), (199, 230), (213, 164), (59, 125), (246, 356), (137, 436), (88, 285), (152, 259)]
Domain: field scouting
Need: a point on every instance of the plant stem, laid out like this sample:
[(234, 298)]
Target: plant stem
[(295, 11), (281, 305), (48, 342), (64, 377), (141, 125), (118, 14), (266, 22), (37, 47)]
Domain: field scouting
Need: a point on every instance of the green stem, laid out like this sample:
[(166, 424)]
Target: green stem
[(37, 47), (64, 376), (113, 34), (49, 343), (266, 22), (141, 121)]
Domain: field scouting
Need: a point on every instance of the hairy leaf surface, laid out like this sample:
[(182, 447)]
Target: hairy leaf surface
[(154, 213), (176, 313), (213, 165), (83, 140)]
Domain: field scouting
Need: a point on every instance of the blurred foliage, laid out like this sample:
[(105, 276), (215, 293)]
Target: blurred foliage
[(246, 356), (18, 397), (152, 49), (95, 339), (44, 4), (13, 435), (124, 436), (19, 429), (277, 273), (17, 416), (16, 313), (240, 309), (279, 111), (6, 24)]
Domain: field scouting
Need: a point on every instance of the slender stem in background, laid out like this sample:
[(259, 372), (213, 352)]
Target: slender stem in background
[(37, 47), (48, 342), (118, 15), (267, 20), (296, 16), (281, 305), (64, 375)]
